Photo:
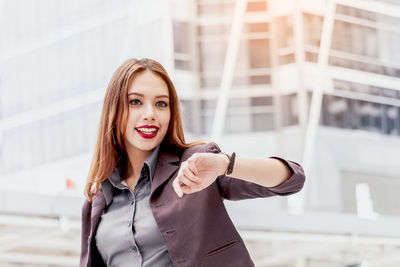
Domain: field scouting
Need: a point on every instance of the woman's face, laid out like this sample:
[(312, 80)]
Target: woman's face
[(149, 112)]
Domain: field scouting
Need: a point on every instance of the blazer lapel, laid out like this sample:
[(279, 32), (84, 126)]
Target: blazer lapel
[(99, 202), (166, 166)]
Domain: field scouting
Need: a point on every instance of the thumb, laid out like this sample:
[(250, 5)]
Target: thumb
[(177, 188)]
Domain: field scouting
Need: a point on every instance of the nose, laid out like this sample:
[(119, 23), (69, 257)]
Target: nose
[(149, 113)]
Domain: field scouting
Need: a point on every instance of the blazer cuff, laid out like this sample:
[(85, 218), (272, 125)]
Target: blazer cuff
[(294, 183)]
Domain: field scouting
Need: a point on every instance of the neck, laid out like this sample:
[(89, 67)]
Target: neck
[(136, 158)]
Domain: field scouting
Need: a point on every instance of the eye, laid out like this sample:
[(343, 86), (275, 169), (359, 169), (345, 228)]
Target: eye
[(134, 102), (162, 104)]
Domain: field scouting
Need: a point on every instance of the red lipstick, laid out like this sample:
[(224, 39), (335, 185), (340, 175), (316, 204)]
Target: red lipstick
[(145, 133)]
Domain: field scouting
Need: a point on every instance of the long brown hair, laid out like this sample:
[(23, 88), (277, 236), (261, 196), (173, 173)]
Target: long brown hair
[(110, 147)]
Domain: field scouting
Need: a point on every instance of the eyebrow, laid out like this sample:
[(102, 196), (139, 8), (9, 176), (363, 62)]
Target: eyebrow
[(159, 96)]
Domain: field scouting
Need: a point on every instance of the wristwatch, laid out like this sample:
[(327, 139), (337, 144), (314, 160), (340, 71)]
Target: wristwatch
[(231, 158)]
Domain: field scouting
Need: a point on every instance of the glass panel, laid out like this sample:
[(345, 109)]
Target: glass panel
[(382, 193), (289, 110), (182, 64), (357, 114), (262, 122), (213, 9), (257, 6), (357, 39), (367, 67), (215, 29), (181, 37), (258, 27), (260, 79), (208, 104), (286, 59), (356, 12), (259, 53), (238, 122), (335, 112), (391, 120), (312, 29), (212, 56), (261, 101), (312, 57), (285, 31), (186, 112)]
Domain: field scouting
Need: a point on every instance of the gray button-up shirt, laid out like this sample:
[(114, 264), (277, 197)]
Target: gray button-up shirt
[(127, 234)]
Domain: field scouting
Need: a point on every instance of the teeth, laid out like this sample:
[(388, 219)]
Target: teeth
[(147, 130)]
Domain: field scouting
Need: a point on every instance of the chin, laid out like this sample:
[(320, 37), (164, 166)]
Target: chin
[(149, 146)]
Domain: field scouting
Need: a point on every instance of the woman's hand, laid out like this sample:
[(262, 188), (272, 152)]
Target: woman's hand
[(199, 171)]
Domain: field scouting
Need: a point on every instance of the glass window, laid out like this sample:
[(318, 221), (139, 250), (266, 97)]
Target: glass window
[(182, 49), (214, 30), (216, 8), (389, 44), (262, 122), (356, 12), (259, 53), (238, 122), (208, 104), (258, 27), (289, 110), (212, 56), (391, 120), (312, 29), (311, 57), (353, 38), (210, 81), (286, 59), (382, 193), (335, 111), (260, 79), (362, 66), (239, 102), (187, 115), (257, 6), (261, 101), (181, 37), (285, 31), (206, 123), (357, 114), (182, 64)]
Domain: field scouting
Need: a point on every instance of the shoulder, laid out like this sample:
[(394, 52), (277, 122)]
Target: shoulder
[(96, 200), (210, 147)]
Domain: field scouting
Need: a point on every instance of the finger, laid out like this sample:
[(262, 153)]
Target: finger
[(188, 183), (189, 174), (177, 187), (192, 164), (187, 190)]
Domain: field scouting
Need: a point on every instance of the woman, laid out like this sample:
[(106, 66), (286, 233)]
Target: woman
[(155, 200)]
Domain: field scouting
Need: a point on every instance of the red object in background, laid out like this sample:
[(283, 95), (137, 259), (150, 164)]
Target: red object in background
[(69, 184)]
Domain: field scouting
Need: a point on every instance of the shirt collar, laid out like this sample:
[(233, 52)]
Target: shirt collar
[(115, 178), (151, 161)]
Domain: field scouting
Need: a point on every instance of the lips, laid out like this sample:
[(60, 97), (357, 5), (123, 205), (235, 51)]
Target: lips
[(147, 131)]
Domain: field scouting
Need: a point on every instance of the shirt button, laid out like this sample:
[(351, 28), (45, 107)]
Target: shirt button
[(129, 224)]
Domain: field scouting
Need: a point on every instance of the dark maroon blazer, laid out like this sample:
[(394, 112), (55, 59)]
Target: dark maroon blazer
[(196, 228)]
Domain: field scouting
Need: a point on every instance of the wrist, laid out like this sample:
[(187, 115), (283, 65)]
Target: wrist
[(231, 160), (226, 161)]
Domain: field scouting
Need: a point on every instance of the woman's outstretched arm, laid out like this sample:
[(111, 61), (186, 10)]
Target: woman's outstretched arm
[(269, 172), (202, 169)]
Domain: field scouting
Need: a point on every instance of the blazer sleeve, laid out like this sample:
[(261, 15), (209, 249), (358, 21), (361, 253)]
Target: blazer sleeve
[(88, 257), (85, 230), (236, 189)]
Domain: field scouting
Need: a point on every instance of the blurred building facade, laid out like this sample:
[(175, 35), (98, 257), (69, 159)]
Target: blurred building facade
[(57, 59)]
